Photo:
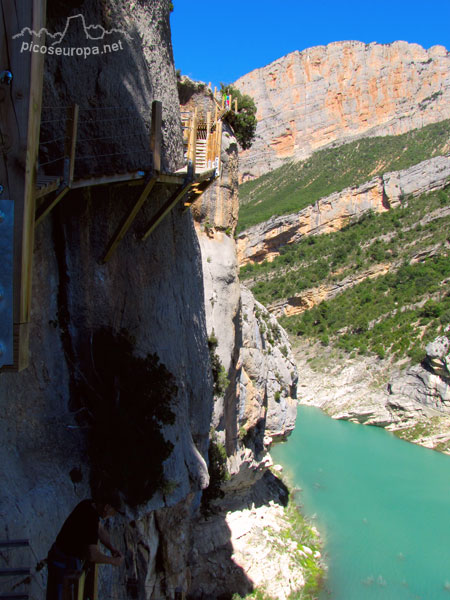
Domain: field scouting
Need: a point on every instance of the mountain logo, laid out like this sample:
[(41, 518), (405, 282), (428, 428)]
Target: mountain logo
[(77, 28), (92, 32)]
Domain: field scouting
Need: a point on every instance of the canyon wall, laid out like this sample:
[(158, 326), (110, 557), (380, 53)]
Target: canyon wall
[(414, 402), (258, 405), (340, 92), (148, 298)]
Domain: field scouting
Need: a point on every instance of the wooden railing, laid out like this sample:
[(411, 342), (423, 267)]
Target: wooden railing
[(202, 136)]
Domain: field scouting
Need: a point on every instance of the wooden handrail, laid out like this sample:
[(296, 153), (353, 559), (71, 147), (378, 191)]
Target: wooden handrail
[(79, 584)]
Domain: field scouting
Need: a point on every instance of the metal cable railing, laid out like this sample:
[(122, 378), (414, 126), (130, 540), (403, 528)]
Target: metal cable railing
[(111, 139)]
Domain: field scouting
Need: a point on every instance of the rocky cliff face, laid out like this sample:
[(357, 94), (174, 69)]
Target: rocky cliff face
[(263, 241), (334, 94), (259, 404), (151, 292)]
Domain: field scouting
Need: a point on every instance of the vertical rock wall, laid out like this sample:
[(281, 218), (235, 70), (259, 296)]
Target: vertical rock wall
[(337, 93), (151, 290)]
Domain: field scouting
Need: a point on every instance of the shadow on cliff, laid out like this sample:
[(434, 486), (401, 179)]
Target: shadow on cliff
[(151, 290), (215, 574)]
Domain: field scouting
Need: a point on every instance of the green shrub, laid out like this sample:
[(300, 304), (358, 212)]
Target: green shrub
[(244, 120), (219, 373), (218, 472)]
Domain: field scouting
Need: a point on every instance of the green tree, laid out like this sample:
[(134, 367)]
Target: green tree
[(244, 120)]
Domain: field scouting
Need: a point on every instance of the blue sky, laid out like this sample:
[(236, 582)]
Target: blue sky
[(242, 35)]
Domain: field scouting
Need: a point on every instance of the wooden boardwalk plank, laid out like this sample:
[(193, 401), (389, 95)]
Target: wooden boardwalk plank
[(46, 186), (14, 571)]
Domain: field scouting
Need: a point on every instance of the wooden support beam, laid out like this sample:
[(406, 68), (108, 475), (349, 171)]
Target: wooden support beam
[(20, 117), (70, 143), (126, 224), (166, 208), (173, 178), (49, 204), (136, 176), (156, 135)]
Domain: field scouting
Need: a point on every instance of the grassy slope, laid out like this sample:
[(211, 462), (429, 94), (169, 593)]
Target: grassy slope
[(389, 315), (293, 186)]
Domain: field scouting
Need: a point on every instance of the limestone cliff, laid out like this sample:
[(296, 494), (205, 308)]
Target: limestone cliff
[(150, 295), (259, 404), (263, 241), (249, 340), (337, 93)]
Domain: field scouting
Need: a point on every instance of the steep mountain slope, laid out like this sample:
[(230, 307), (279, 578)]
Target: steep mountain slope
[(296, 185), (366, 285), (337, 93), (350, 246)]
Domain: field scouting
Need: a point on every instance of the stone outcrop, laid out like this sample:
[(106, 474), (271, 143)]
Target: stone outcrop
[(263, 241), (253, 538), (428, 383), (340, 92), (259, 404)]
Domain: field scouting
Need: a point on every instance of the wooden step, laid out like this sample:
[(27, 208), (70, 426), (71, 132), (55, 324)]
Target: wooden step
[(45, 184), (13, 543), (14, 571)]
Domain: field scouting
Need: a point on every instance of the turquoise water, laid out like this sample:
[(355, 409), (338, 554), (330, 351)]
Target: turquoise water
[(382, 506)]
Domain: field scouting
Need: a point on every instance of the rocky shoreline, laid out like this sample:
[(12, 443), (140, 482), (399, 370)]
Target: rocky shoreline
[(257, 542), (413, 402)]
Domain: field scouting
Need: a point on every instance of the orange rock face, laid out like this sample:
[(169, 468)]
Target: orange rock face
[(336, 93)]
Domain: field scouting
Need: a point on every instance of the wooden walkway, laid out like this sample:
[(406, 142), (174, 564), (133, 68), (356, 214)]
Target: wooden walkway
[(202, 136), (29, 194)]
